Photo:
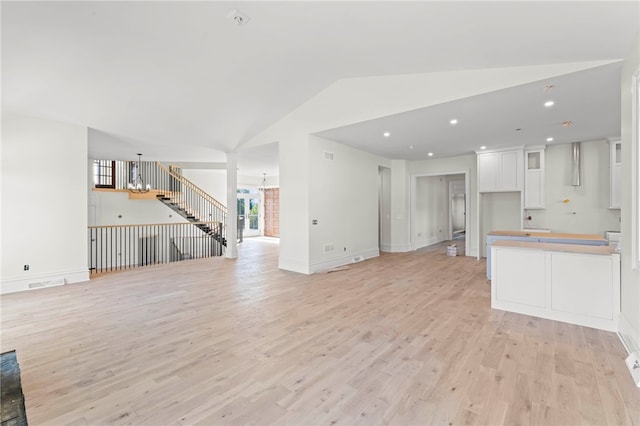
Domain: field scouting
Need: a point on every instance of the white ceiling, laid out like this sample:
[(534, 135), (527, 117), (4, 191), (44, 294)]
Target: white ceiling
[(510, 117), (183, 77)]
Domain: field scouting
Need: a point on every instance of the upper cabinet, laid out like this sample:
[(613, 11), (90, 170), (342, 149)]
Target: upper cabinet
[(534, 181), (500, 171), (615, 170)]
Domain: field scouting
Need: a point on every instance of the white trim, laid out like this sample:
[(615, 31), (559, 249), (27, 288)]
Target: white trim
[(628, 334), (428, 242), (332, 262), (12, 285), (635, 170), (395, 248), (293, 265), (412, 226)]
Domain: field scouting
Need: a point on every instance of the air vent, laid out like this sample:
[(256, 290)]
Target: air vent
[(328, 155), (51, 283)]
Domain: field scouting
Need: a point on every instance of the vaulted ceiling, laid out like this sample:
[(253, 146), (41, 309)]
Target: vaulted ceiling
[(183, 77)]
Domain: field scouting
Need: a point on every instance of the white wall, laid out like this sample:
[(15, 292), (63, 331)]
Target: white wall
[(498, 211), (448, 166), (400, 207), (294, 204), (344, 200), (431, 219), (384, 208), (212, 181), (44, 198), (630, 273), (589, 201), (115, 208)]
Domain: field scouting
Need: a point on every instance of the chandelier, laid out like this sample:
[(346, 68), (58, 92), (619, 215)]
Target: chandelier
[(137, 182), (264, 184)]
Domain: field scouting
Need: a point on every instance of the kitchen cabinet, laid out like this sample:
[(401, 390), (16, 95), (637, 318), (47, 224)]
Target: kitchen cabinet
[(540, 237), (534, 178), (500, 171), (563, 282), (615, 170)]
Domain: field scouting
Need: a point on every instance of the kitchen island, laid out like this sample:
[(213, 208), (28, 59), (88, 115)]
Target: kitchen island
[(540, 237), (578, 284)]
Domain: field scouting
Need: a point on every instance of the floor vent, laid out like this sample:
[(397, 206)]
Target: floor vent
[(50, 283)]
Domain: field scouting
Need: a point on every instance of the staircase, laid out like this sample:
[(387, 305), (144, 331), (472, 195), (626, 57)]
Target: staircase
[(184, 211), (192, 203)]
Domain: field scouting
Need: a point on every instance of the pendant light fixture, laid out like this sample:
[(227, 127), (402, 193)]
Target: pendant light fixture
[(137, 182), (264, 184)]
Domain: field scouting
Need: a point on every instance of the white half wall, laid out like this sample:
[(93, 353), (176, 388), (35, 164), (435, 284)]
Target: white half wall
[(44, 203)]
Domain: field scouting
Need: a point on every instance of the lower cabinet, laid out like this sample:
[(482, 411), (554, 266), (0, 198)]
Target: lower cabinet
[(580, 288)]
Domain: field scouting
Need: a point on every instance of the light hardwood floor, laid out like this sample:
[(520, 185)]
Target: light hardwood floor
[(401, 339)]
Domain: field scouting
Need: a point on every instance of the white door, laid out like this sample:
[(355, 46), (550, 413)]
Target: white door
[(250, 211)]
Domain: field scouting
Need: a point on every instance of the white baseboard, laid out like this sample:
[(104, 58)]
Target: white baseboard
[(293, 265), (395, 248), (333, 262), (37, 281), (428, 242), (627, 334)]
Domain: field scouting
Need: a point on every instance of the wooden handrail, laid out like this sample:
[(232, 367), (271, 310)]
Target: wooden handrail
[(183, 180)]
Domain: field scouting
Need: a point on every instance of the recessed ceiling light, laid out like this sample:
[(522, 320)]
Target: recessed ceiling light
[(410, 146), (430, 154), (549, 139), (549, 87), (549, 104), (483, 147), (566, 123), (386, 134), (453, 121)]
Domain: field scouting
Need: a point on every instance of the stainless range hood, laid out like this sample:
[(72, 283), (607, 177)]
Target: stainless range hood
[(575, 164)]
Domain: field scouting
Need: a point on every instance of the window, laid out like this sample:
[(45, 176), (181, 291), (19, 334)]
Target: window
[(104, 172)]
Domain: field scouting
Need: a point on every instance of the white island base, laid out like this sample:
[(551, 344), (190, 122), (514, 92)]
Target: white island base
[(563, 282)]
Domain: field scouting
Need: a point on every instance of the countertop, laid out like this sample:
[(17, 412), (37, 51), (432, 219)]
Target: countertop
[(548, 235), (569, 248)]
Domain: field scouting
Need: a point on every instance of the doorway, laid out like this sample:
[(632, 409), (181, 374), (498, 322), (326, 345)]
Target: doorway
[(436, 216), (457, 210), (249, 211)]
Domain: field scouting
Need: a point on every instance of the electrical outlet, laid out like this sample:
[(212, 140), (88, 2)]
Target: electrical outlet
[(26, 267)]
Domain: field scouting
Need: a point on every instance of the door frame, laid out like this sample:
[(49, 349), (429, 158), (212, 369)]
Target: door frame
[(451, 193), (412, 213)]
